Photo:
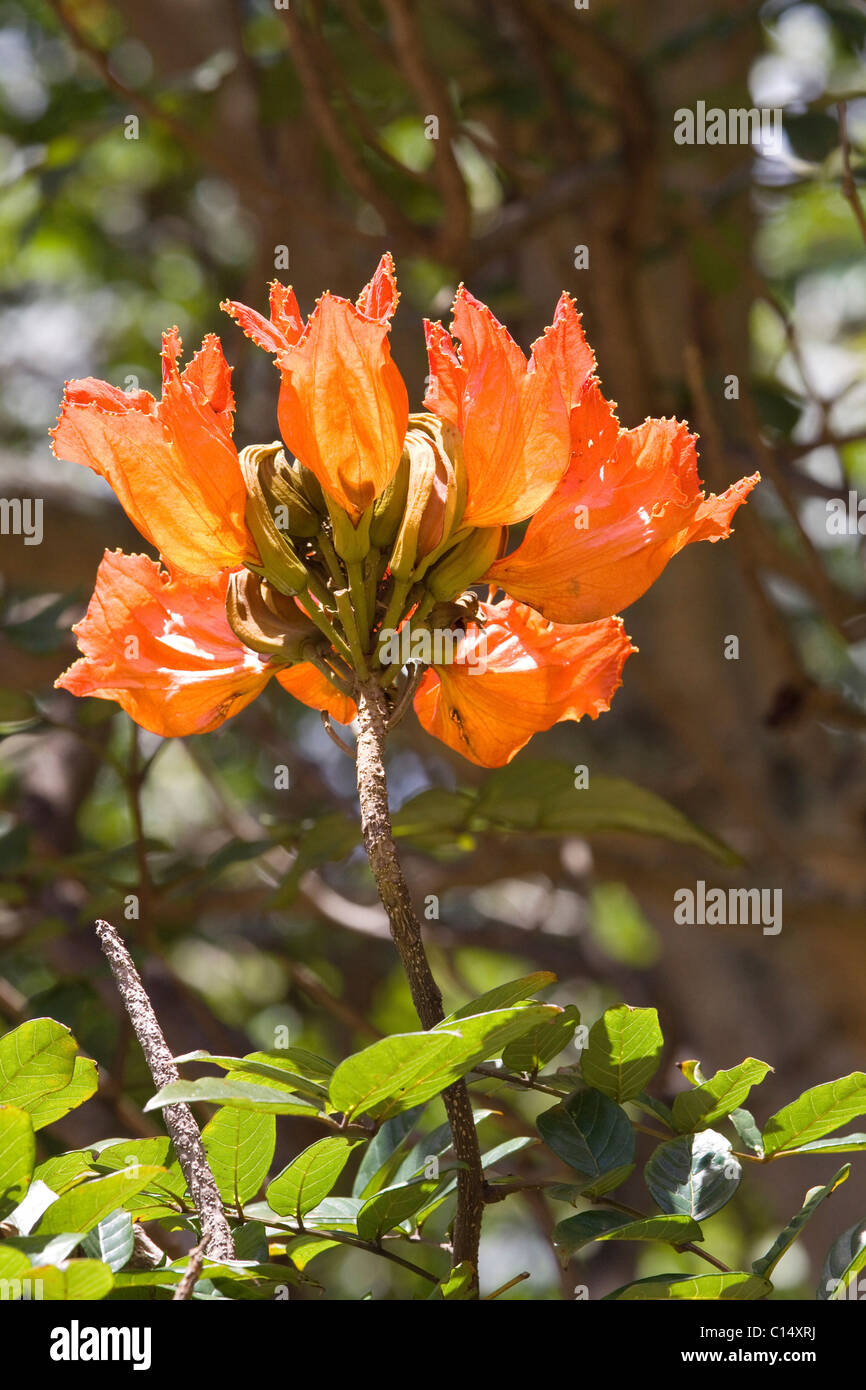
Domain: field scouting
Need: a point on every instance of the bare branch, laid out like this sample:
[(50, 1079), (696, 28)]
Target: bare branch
[(179, 1119)]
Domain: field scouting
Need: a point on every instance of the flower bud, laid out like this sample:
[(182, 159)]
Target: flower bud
[(266, 621), (352, 543), (454, 612), (388, 507), (280, 564), (431, 501), (292, 512), (469, 560), (311, 487)]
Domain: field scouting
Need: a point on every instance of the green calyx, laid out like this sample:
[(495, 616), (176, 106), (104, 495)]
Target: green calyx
[(325, 586)]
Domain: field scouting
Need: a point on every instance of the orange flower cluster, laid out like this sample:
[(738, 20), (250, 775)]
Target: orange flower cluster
[(392, 518)]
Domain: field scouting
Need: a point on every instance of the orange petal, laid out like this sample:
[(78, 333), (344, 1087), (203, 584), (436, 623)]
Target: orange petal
[(308, 685), (343, 407), (628, 503), (517, 676), (380, 296), (162, 648), (284, 327), (513, 415), (172, 462)]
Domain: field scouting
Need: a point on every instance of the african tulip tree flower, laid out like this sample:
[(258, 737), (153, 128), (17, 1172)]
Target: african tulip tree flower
[(300, 560)]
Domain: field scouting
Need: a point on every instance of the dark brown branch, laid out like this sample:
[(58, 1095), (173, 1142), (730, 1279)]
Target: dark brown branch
[(849, 186), (179, 1119), (302, 44), (406, 932), (433, 95), (191, 1273)]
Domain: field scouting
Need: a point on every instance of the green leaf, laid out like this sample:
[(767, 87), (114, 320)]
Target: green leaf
[(392, 1206), (540, 797), (35, 1059), (434, 1144), (382, 1156), (81, 1087), (576, 1231), (14, 1264), (64, 1170), (541, 1044), (402, 1071), (112, 1241), (503, 995), (842, 1144), (305, 1248), (694, 1175), (168, 1187), (748, 1130), (82, 1281), (673, 1230), (785, 1239), (724, 1092), (222, 1090), (623, 1052), (459, 1286), (275, 1067), (651, 1106), (588, 1132), (85, 1206), (609, 1181), (309, 1178), (17, 1155), (815, 1113), (845, 1259), (240, 1146), (734, 1287), (334, 1213)]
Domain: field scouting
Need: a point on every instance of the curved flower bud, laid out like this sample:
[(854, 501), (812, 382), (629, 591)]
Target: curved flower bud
[(266, 621), (466, 562), (291, 509), (431, 501), (280, 563), (389, 506)]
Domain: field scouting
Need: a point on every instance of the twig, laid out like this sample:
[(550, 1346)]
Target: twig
[(334, 736), (179, 1119), (193, 1270), (406, 932), (503, 1288), (849, 187), (344, 1238)]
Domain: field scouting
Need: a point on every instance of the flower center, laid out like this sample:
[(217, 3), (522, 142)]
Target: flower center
[(328, 589)]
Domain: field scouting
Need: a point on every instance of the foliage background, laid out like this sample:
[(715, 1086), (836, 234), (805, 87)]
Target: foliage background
[(304, 128)]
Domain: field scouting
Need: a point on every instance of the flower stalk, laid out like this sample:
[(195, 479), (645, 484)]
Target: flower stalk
[(373, 715)]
